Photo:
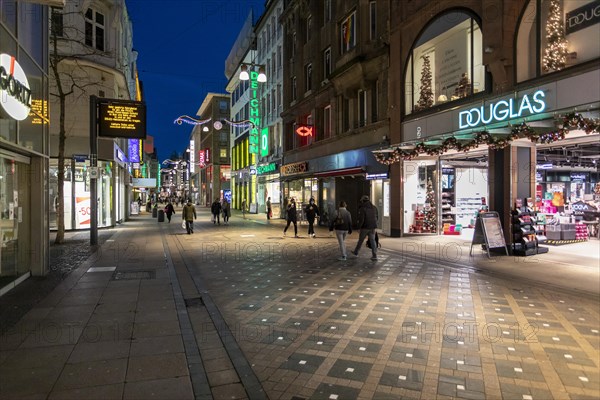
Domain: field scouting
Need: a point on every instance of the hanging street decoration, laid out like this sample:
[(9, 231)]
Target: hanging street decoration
[(218, 125), (572, 121)]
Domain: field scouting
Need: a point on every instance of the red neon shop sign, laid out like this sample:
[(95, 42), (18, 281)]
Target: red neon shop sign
[(305, 130)]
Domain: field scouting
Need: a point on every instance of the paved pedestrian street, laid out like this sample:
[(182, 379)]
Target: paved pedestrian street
[(314, 327)]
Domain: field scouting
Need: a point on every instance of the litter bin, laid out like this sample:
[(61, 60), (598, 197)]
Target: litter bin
[(154, 212), (161, 215)]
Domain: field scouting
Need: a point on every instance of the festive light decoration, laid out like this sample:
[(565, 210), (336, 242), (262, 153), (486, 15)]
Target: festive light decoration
[(426, 94), (555, 53), (430, 210), (572, 121), (190, 120), (217, 124)]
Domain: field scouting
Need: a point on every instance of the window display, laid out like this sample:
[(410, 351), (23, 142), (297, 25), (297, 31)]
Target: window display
[(445, 66)]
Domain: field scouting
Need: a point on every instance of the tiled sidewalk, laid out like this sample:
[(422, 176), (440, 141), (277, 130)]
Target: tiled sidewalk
[(234, 310)]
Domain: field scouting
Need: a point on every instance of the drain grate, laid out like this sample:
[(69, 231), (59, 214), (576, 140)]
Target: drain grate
[(194, 302), (136, 274)]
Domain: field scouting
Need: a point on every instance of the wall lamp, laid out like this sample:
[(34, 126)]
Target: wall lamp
[(245, 75)]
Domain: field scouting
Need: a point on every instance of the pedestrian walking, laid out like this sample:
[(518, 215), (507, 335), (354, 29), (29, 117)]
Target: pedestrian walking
[(189, 215), (169, 210), (291, 217), (244, 208), (215, 208), (342, 224), (226, 210), (311, 211), (269, 209), (367, 223)]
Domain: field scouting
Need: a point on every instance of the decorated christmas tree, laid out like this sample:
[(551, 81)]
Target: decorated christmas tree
[(426, 94), (430, 214), (555, 53), (464, 87)]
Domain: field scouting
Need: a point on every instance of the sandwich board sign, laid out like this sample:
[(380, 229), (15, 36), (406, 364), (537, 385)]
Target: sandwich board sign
[(488, 231)]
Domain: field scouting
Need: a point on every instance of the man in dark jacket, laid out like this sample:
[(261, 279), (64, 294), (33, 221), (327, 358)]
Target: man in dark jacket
[(215, 208), (367, 223)]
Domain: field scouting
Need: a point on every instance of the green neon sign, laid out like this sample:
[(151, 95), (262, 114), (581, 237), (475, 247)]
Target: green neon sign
[(253, 140)]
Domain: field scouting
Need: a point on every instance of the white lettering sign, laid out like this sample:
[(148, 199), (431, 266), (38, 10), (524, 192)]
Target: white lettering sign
[(502, 110)]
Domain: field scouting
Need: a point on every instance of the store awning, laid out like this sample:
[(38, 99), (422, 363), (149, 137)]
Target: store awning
[(340, 172)]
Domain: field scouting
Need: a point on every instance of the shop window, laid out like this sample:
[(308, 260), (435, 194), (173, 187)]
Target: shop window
[(348, 33), (562, 30), (94, 29), (445, 63)]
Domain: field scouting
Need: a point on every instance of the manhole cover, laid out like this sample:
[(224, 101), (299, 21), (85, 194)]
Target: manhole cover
[(193, 302), (129, 275)]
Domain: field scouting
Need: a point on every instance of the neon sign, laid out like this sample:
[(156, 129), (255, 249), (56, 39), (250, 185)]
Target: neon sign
[(305, 130), (15, 93), (254, 113), (502, 110)]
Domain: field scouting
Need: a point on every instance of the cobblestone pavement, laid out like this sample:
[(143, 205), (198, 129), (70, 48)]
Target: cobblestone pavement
[(314, 327)]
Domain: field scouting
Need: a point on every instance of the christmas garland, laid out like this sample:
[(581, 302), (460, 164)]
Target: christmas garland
[(569, 122)]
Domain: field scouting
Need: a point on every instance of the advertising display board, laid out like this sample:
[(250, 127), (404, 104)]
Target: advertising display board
[(121, 119)]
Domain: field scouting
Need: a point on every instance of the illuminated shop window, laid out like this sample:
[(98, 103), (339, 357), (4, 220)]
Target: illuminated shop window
[(445, 63), (562, 29)]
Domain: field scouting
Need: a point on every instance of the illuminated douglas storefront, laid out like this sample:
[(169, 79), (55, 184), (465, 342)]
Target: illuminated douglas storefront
[(23, 142)]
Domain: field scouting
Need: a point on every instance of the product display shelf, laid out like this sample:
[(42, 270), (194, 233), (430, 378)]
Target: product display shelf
[(527, 234), (447, 206)]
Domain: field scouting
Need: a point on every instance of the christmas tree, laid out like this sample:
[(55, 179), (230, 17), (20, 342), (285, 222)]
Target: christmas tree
[(430, 214), (426, 96), (464, 87), (555, 53)]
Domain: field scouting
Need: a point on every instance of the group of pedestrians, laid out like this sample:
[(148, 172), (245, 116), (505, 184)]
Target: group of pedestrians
[(219, 208), (341, 223)]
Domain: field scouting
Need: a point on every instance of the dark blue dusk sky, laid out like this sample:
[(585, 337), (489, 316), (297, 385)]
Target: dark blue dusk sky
[(182, 46)]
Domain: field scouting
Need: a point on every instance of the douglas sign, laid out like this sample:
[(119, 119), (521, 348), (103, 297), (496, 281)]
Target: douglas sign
[(502, 110)]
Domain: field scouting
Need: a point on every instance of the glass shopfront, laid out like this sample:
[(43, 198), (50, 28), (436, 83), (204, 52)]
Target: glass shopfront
[(77, 194), (15, 218)]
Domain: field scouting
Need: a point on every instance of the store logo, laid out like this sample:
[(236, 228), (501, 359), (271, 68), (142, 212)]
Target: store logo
[(582, 17), (15, 95), (295, 168), (502, 110)]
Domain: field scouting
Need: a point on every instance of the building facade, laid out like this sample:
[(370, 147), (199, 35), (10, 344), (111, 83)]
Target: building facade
[(488, 121), (209, 150), (335, 103), (94, 55), (24, 142)]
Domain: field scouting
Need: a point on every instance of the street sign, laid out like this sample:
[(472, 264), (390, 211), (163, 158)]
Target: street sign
[(93, 171)]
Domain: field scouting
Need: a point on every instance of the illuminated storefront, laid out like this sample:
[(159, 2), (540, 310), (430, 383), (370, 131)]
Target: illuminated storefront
[(24, 125)]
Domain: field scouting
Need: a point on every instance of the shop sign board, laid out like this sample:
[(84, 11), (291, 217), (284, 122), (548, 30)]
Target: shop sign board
[(192, 156), (294, 168), (253, 138), (503, 110), (121, 119), (119, 155), (266, 168), (582, 17), (134, 150), (144, 182), (579, 176), (580, 207), (383, 175), (15, 94)]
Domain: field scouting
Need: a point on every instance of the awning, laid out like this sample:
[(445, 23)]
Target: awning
[(341, 172)]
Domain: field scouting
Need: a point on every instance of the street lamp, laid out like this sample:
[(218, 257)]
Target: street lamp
[(245, 75)]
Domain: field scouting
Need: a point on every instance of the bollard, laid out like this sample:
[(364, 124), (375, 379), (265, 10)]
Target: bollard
[(161, 215)]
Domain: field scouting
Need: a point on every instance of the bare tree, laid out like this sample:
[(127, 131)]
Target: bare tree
[(70, 63)]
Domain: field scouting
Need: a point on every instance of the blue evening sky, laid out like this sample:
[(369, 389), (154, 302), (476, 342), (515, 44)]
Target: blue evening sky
[(182, 46)]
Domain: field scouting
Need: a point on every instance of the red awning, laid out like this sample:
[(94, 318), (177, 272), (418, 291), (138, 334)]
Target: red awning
[(341, 172)]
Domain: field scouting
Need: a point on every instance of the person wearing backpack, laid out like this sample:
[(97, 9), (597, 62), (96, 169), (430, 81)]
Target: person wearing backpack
[(367, 223), (342, 224)]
